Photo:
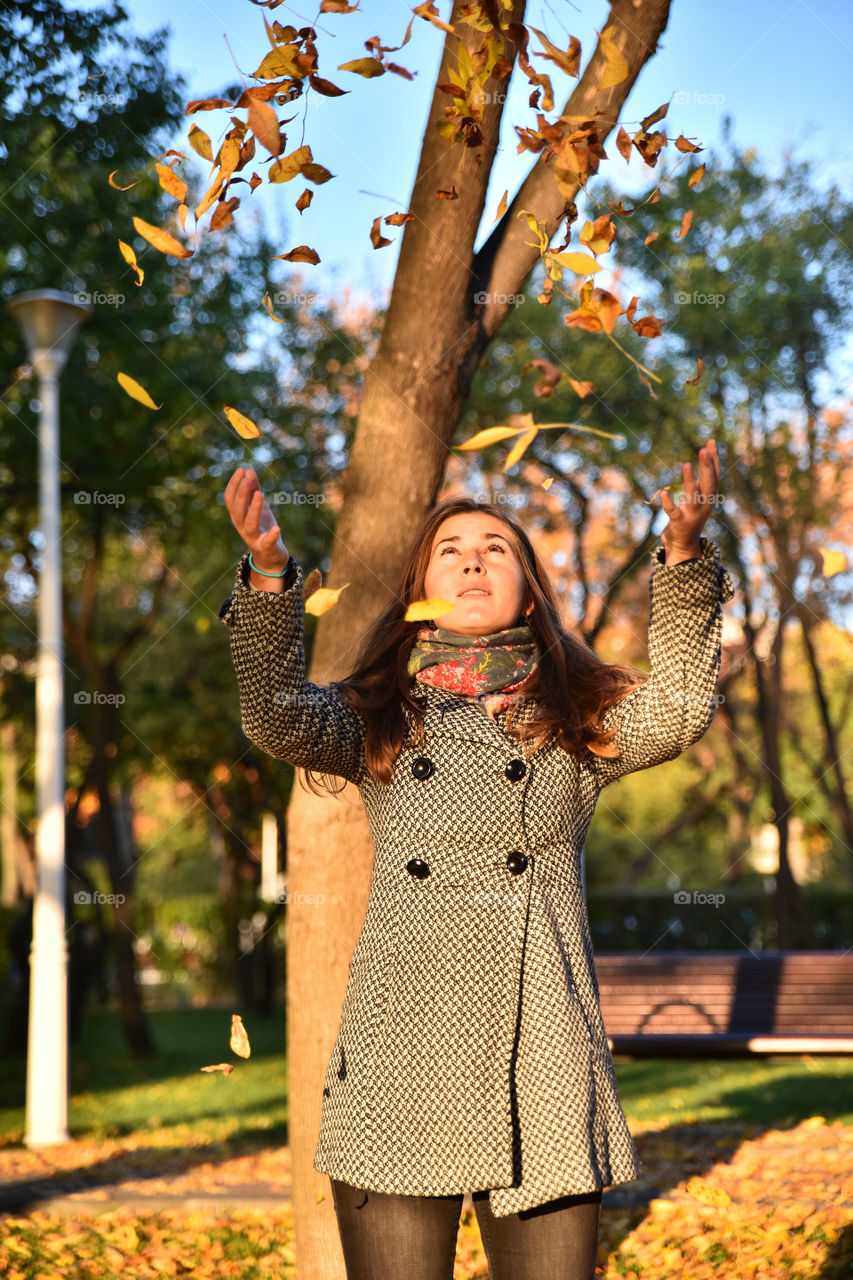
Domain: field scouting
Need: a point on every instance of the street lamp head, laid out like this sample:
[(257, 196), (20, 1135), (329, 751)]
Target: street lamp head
[(48, 320)]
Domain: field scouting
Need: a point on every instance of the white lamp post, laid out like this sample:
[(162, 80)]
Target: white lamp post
[(48, 320)]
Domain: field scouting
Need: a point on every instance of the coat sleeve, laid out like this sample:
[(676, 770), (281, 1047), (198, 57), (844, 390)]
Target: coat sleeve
[(676, 705), (284, 714)]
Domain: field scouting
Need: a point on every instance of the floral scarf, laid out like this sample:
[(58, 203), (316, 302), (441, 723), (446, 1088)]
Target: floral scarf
[(486, 668)]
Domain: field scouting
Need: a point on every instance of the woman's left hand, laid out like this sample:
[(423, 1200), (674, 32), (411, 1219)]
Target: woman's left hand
[(681, 535)]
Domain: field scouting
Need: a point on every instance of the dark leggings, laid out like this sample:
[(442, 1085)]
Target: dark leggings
[(392, 1237)]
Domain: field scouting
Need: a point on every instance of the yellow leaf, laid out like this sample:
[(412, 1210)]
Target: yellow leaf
[(502, 206), (833, 561), (244, 426), (130, 258), (161, 240), (278, 62), (170, 182), (546, 484), (267, 301), (518, 448), (707, 1193), (367, 67), (491, 435), (323, 599), (423, 610), (287, 167), (239, 1040), (580, 263), (200, 143), (617, 64), (135, 391)]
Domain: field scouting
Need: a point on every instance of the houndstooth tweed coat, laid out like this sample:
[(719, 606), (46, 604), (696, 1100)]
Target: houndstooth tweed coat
[(471, 1051)]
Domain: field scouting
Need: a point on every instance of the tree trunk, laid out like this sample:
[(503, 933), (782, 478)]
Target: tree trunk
[(434, 338)]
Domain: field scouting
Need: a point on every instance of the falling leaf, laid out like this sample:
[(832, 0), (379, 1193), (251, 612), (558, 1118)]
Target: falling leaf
[(833, 561), (683, 145), (200, 143), (302, 253), (378, 240), (519, 447), (398, 219), (423, 610), (312, 583), (582, 388), (170, 182), (696, 176), (337, 6), (263, 122), (580, 263), (207, 104), (685, 224), (225, 1067), (546, 484), (326, 87), (135, 391), (116, 185), (429, 12), (491, 435), (551, 375), (305, 199), (598, 236), (502, 206), (267, 301), (161, 240), (367, 67), (616, 63), (241, 424), (239, 1042), (448, 193), (651, 237), (323, 599), (222, 214), (130, 258), (691, 382), (568, 61)]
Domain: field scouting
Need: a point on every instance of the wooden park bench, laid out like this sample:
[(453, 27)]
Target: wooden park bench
[(679, 1003)]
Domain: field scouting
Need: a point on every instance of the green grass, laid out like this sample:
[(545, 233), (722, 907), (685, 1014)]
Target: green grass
[(776, 1091), (112, 1093)]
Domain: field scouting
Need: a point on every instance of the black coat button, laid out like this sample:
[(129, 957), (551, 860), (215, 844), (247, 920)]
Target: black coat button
[(515, 770), (423, 767), (516, 861), (417, 867)]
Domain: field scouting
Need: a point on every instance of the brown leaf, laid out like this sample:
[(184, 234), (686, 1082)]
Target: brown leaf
[(652, 236), (398, 219), (312, 583), (222, 214), (379, 241), (447, 193), (623, 144), (683, 145), (551, 375), (696, 176), (207, 104), (254, 181), (654, 117), (326, 87), (337, 6), (225, 1067), (263, 122), (691, 382), (685, 224), (116, 185), (304, 200), (429, 12), (398, 70), (302, 253), (502, 206), (367, 67), (568, 61), (618, 207), (239, 1040)]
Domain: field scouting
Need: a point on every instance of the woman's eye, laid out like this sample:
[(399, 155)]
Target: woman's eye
[(493, 546)]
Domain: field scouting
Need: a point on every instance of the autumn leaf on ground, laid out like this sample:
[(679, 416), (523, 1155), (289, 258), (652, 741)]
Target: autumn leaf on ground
[(323, 599), (707, 1193), (225, 1067), (312, 583), (377, 239), (239, 1040), (130, 258), (135, 391), (161, 239), (833, 561), (302, 253), (423, 610), (241, 424)]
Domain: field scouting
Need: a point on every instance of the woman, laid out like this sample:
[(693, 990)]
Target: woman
[(471, 1053)]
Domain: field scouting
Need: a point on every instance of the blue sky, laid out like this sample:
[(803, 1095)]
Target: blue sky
[(782, 72)]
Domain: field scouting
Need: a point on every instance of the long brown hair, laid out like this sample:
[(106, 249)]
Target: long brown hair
[(570, 689)]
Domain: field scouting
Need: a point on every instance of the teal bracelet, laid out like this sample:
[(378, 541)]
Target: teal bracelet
[(264, 573)]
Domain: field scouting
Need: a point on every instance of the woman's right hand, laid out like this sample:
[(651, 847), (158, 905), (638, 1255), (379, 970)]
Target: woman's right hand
[(254, 521)]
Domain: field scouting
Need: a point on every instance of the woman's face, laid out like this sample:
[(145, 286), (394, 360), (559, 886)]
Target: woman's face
[(473, 564)]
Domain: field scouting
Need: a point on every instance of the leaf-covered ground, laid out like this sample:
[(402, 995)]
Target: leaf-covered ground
[(747, 1169)]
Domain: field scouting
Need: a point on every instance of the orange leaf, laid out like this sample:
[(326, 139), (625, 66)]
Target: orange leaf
[(305, 199), (376, 236), (429, 12), (652, 236), (696, 176), (691, 382), (682, 144), (326, 87), (115, 184), (222, 213), (225, 1067), (170, 182), (161, 240), (685, 224), (447, 193), (263, 122), (398, 219), (206, 104), (302, 253)]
